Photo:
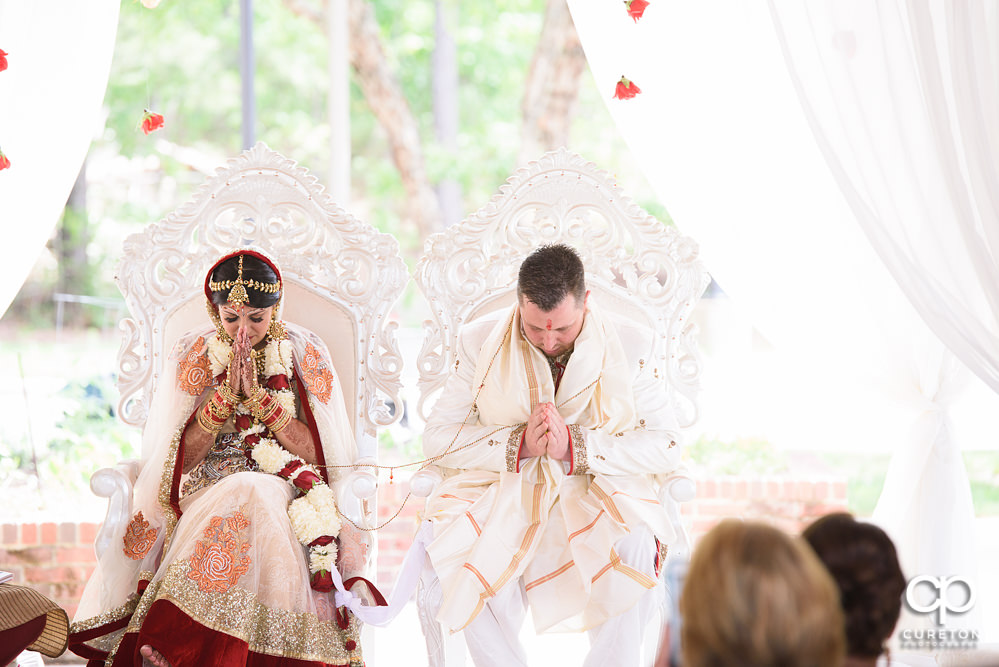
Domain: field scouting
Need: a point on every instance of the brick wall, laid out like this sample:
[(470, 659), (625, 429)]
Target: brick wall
[(58, 558)]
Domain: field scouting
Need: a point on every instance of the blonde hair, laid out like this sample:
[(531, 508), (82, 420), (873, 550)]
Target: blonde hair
[(756, 596)]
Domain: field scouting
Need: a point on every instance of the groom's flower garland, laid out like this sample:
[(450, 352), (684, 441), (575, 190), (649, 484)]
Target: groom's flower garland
[(313, 514)]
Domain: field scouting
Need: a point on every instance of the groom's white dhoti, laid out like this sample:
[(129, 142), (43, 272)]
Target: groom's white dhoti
[(574, 540)]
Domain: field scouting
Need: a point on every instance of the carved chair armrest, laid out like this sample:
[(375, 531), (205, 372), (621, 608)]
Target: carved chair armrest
[(678, 487), (115, 484)]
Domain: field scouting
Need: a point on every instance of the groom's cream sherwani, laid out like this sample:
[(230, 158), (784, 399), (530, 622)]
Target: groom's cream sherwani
[(555, 524)]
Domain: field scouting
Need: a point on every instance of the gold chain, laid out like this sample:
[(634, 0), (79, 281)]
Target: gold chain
[(433, 459)]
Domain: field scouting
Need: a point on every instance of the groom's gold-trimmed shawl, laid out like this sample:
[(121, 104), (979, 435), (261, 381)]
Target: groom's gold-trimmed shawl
[(555, 530)]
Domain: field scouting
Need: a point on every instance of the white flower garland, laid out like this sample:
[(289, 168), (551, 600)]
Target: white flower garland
[(313, 515)]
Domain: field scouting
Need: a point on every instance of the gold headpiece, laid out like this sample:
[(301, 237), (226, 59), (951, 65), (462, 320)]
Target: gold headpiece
[(237, 293)]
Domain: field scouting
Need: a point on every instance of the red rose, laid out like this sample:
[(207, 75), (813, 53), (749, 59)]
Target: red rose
[(350, 644), (3, 60), (4, 161), (251, 440), (636, 8), (306, 480), (322, 581), (151, 121), (292, 466), (626, 89), (243, 422), (277, 382), (321, 541)]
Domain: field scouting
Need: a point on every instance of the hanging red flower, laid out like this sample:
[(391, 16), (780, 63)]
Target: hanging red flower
[(151, 121), (636, 8), (4, 161), (626, 89), (322, 581), (3, 60)]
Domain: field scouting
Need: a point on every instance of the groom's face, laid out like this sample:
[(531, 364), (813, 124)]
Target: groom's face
[(554, 331)]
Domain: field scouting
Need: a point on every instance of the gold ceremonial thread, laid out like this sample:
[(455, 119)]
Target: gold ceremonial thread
[(450, 448)]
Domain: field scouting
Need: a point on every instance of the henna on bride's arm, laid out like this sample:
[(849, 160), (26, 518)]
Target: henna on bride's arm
[(197, 442), (297, 439)]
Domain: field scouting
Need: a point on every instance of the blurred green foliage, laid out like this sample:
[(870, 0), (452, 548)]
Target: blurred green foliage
[(739, 456)]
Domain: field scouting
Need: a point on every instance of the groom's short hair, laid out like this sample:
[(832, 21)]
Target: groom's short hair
[(549, 274)]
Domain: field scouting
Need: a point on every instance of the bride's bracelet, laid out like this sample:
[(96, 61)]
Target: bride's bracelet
[(228, 395), (268, 411)]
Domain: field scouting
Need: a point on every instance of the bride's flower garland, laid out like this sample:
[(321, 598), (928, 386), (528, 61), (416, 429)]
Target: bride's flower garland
[(313, 514)]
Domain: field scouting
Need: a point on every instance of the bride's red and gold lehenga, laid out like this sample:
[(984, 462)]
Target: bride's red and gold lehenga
[(228, 564)]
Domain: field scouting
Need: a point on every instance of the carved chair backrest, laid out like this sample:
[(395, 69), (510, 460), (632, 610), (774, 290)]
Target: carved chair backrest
[(341, 277), (636, 267)]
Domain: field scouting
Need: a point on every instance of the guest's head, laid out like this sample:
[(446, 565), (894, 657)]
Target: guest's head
[(864, 564), (551, 294), (757, 596)]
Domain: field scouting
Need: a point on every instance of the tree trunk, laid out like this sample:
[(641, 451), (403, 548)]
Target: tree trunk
[(552, 85), (383, 94), (444, 76)]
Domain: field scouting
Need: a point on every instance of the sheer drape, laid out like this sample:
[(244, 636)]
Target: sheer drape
[(50, 103), (902, 99), (720, 134)]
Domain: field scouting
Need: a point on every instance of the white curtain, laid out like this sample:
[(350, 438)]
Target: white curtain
[(720, 134), (902, 97), (50, 109)]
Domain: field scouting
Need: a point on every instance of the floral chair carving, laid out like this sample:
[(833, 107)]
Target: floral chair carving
[(341, 277), (636, 266)]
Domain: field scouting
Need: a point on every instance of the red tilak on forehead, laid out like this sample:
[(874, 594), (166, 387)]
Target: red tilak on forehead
[(549, 327)]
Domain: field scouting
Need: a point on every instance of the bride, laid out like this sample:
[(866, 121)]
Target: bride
[(228, 556)]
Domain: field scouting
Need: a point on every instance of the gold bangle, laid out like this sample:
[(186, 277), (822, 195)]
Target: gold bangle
[(265, 412), (280, 422), (227, 394), (254, 399), (220, 406), (217, 412), (205, 422)]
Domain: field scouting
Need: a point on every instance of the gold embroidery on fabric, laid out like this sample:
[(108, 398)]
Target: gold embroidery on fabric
[(139, 537), (316, 374), (107, 643), (220, 559), (227, 456), (532, 379), (238, 613), (513, 447), (194, 373), (109, 616), (166, 482), (580, 465)]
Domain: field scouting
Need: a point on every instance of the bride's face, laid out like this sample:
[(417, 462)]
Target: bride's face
[(254, 320)]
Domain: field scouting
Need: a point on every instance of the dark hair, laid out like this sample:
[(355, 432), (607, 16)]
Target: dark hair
[(549, 274), (254, 268), (862, 560)]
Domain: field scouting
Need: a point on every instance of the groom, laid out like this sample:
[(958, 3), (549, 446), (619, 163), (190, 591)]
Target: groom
[(552, 424)]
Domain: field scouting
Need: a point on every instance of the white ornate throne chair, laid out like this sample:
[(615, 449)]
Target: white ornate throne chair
[(636, 267), (340, 278)]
